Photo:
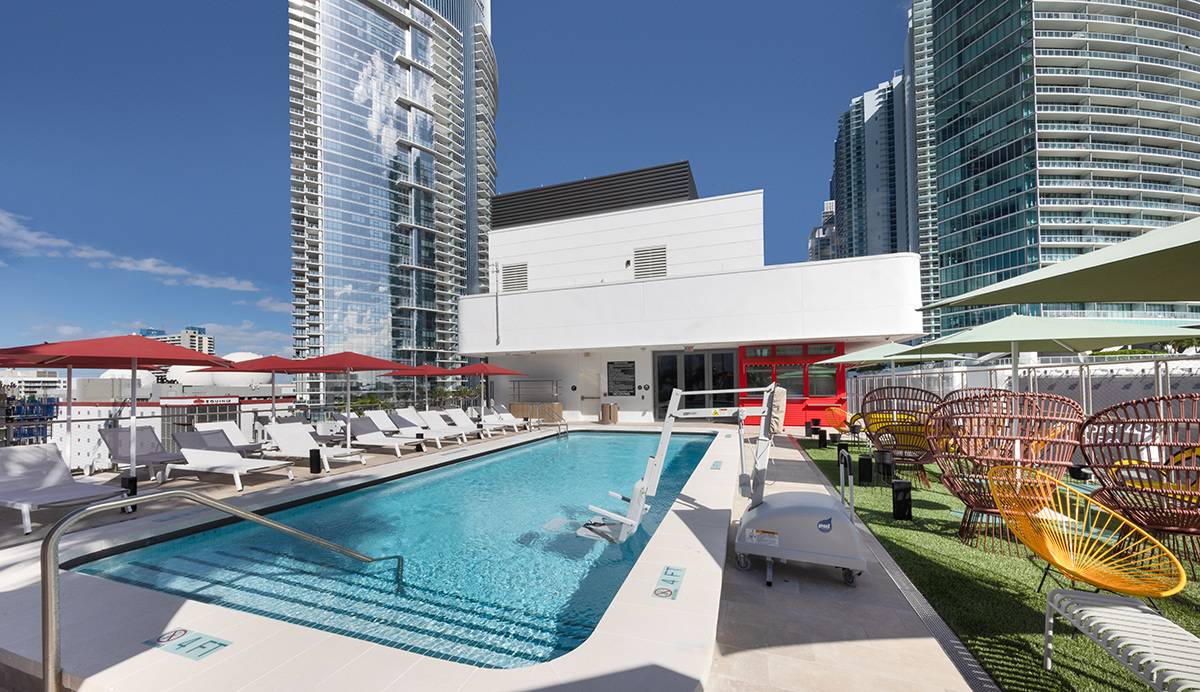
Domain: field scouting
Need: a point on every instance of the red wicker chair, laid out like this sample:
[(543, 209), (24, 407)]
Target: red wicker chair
[(894, 419), (1145, 455), (973, 432)]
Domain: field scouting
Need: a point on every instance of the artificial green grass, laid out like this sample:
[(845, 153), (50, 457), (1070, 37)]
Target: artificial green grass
[(991, 601)]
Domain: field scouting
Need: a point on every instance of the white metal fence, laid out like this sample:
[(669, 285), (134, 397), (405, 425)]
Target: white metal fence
[(1096, 382)]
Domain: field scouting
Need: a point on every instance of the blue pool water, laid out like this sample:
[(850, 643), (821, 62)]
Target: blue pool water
[(493, 575)]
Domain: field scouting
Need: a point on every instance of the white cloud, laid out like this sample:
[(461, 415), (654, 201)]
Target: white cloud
[(19, 240), (272, 305), (247, 336), (68, 332)]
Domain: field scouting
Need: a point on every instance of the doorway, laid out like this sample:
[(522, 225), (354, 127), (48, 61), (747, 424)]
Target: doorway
[(694, 371)]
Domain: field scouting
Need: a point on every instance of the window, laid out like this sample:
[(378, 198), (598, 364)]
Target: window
[(758, 352), (758, 375), (791, 378), (822, 380), (815, 349), (795, 350)]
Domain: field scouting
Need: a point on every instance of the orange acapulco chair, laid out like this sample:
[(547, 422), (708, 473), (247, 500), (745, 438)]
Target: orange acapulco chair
[(895, 419), (1146, 456), (970, 433)]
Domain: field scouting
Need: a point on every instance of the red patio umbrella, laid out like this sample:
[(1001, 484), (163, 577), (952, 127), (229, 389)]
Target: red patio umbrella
[(484, 369), (348, 362), (137, 352), (426, 371)]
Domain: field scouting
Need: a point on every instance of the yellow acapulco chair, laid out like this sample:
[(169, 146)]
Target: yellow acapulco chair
[(1082, 538)]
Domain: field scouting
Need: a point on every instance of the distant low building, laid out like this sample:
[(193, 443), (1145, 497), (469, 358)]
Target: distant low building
[(194, 338)]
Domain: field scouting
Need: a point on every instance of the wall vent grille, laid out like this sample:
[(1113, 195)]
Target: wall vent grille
[(514, 277), (649, 262)]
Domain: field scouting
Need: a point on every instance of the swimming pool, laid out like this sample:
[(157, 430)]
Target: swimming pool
[(494, 574)]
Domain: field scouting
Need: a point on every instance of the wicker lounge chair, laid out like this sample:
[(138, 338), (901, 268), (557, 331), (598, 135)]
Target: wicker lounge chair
[(1144, 454), (972, 433)]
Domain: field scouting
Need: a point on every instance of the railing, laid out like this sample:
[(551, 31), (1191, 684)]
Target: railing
[(560, 423), (51, 640)]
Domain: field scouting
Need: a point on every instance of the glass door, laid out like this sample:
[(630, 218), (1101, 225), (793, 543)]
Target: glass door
[(694, 371)]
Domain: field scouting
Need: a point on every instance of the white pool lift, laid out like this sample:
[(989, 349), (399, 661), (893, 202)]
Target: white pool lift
[(805, 526)]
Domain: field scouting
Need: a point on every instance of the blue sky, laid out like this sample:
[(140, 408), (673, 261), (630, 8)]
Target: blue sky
[(144, 152)]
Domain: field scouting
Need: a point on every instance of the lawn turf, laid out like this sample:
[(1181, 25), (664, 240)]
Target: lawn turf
[(991, 601)]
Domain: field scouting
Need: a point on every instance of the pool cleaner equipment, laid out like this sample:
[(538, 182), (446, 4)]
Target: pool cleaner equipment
[(805, 526)]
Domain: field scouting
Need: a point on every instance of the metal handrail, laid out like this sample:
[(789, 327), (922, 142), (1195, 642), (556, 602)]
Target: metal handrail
[(51, 641), (560, 423)]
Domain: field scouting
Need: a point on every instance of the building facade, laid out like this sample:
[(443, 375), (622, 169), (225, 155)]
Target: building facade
[(195, 338), (620, 297), (870, 178), (921, 150), (392, 107), (1061, 128), (820, 241)]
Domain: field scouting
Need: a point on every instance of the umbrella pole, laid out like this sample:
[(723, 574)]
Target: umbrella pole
[(347, 409), (427, 392), (272, 396), (133, 383), (70, 411)]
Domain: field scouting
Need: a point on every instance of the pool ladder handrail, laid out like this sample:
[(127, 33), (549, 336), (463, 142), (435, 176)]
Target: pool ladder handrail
[(51, 641), (560, 423)]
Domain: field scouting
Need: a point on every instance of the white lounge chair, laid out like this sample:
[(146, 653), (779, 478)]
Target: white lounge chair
[(489, 416), (503, 414), (295, 442), (234, 433), (382, 420), (434, 421), (617, 528), (230, 463), (367, 434), (460, 418), (37, 477), (150, 451), (410, 418)]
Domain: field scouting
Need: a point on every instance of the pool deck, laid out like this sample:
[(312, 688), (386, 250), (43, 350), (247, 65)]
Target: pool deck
[(724, 631)]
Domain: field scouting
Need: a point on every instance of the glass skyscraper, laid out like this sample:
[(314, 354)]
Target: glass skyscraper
[(393, 169), (870, 176), (1061, 127)]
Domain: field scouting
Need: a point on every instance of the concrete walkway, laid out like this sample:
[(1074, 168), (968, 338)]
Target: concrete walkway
[(809, 631)]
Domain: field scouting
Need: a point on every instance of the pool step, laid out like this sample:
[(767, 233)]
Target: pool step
[(362, 604)]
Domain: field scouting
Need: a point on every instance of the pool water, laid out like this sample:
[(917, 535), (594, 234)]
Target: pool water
[(494, 575)]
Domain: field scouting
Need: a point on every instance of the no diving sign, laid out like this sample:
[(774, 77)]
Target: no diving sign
[(187, 643), (669, 582)]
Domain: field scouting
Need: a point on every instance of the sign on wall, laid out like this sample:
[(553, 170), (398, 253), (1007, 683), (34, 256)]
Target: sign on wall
[(621, 378)]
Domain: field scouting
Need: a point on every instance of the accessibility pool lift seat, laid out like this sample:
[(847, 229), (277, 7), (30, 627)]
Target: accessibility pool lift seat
[(804, 526)]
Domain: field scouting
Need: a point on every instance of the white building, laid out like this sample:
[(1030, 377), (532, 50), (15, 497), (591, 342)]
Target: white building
[(623, 305), (23, 383), (195, 338)]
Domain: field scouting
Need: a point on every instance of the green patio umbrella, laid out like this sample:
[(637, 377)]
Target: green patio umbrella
[(1020, 333), (890, 353), (1159, 266)]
